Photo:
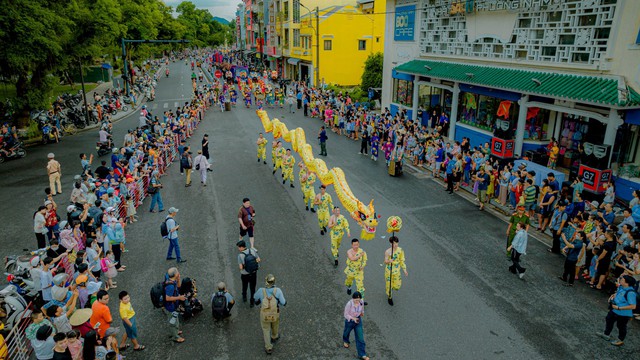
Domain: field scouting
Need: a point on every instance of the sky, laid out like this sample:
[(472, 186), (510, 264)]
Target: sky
[(223, 8)]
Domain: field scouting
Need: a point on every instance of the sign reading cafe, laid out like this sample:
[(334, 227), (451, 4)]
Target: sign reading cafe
[(405, 23)]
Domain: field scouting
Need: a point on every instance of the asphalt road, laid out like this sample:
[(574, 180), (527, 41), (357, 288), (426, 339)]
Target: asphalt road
[(458, 302)]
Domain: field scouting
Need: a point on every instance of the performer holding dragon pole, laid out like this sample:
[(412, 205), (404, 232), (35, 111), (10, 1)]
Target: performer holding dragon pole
[(309, 192), (324, 203), (262, 148), (338, 225), (393, 259), (287, 168)]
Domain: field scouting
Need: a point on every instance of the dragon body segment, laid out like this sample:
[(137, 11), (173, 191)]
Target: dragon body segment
[(364, 215)]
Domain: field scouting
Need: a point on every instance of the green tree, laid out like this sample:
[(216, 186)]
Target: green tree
[(372, 75), (43, 38), (33, 34)]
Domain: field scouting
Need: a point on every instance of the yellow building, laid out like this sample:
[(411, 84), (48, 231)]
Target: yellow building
[(349, 31)]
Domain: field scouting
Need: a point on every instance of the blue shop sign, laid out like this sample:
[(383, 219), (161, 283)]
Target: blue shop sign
[(405, 23)]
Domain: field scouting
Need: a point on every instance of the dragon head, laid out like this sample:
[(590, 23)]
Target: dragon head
[(367, 219)]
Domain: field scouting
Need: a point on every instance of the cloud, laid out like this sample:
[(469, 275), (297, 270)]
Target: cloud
[(222, 8)]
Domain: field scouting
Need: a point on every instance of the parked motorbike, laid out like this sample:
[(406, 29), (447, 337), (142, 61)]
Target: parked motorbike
[(14, 305), (76, 117), (48, 133), (25, 287), (21, 264), (17, 151)]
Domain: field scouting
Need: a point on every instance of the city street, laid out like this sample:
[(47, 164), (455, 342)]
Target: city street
[(458, 302)]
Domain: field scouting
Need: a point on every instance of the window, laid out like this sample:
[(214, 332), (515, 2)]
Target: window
[(539, 124), (403, 92), (296, 12), (327, 44), (286, 39), (638, 38), (626, 151), (362, 44), (434, 99), (483, 112), (285, 7), (296, 37)]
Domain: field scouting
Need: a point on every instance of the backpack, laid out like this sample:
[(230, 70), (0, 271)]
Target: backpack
[(251, 263), (269, 310), (164, 231), (157, 294), (184, 161), (103, 265), (219, 306)]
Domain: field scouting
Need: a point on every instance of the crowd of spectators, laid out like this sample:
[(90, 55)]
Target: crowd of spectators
[(84, 236)]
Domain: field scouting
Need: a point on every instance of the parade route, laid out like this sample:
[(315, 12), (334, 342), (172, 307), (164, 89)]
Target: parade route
[(458, 302)]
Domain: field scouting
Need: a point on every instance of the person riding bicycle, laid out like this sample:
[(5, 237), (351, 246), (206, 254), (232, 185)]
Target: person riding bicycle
[(193, 75), (167, 72)]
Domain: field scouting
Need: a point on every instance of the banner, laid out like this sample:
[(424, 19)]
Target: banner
[(405, 23)]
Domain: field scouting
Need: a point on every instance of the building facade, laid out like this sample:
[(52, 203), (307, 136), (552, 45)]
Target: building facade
[(284, 35), (516, 73)]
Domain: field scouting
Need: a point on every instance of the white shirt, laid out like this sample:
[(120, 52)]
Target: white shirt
[(202, 161), (38, 224)]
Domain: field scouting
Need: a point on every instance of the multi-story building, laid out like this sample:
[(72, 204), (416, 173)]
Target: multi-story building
[(520, 72), (241, 41), (347, 31)]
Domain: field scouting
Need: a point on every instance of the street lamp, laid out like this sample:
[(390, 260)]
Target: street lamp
[(317, 31)]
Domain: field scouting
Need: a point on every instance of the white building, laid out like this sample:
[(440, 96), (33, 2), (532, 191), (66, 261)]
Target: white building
[(523, 70)]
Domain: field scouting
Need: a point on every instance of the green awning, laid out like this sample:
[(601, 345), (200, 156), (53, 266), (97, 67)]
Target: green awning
[(602, 90)]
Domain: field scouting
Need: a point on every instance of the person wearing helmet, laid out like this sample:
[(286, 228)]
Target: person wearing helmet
[(143, 116), (271, 298)]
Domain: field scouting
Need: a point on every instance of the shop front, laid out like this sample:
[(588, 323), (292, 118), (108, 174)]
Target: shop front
[(626, 155), (403, 93), (518, 112), (434, 98)]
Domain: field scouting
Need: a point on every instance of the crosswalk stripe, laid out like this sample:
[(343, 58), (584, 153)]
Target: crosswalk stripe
[(155, 105), (176, 104), (166, 105)]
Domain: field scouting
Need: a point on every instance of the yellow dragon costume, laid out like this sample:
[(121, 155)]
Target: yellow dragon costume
[(364, 215)]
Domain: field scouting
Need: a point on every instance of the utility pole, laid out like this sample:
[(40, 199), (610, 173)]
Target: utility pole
[(317, 47), (84, 93)]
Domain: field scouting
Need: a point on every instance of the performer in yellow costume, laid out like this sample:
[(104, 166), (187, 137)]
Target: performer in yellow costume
[(356, 261), (302, 177), (338, 224), (394, 261), (287, 168), (308, 191), (274, 146), (278, 152), (324, 202), (262, 148)]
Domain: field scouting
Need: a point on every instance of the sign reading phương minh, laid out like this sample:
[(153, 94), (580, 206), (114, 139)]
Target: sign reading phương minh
[(405, 23)]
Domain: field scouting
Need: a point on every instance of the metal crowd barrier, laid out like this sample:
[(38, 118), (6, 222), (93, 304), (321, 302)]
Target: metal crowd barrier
[(16, 346)]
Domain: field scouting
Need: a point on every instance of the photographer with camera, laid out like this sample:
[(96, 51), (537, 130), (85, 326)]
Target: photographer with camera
[(154, 191)]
